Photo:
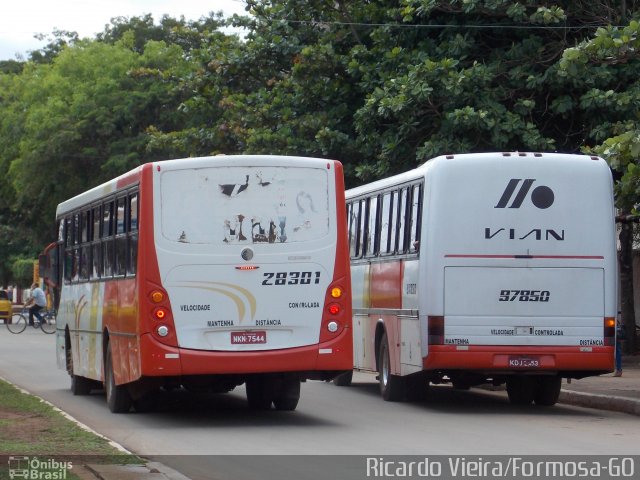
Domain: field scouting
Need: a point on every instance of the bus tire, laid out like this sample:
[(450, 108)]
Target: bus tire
[(520, 390), (417, 386), (118, 398), (344, 380), (258, 394), (392, 387), (547, 391), (289, 395), (79, 385)]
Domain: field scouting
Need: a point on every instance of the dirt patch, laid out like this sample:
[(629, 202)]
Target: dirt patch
[(21, 428)]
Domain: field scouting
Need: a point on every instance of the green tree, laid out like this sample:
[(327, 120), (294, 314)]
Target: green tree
[(14, 232), (22, 272), (386, 85), (604, 74), (86, 120)]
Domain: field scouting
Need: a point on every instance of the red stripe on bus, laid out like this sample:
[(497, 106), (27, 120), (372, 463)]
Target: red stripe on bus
[(562, 257), (495, 357), (129, 178)]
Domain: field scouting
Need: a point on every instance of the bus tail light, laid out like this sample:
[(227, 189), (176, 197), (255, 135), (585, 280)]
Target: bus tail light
[(436, 330), (335, 310), (609, 331), (159, 316), (157, 296), (336, 292)]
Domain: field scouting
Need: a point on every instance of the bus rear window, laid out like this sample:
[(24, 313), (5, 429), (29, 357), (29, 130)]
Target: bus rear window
[(244, 205)]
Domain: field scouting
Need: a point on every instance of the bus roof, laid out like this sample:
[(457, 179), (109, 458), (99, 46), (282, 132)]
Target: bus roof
[(421, 170)]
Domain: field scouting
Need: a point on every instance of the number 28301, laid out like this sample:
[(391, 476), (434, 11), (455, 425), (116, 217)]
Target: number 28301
[(291, 278)]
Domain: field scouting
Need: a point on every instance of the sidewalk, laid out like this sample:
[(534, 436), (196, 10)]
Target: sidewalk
[(606, 392)]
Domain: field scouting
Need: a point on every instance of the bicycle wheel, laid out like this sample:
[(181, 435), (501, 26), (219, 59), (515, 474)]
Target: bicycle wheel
[(17, 323), (48, 324)]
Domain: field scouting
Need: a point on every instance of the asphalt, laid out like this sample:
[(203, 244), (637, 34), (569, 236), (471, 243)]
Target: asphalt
[(605, 392)]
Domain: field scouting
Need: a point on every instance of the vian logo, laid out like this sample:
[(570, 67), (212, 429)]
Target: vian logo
[(542, 196)]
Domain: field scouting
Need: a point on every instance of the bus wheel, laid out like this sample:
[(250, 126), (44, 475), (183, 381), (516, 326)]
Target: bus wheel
[(258, 394), (417, 386), (391, 386), (287, 398), (118, 398), (520, 390), (547, 391), (344, 380), (79, 385)]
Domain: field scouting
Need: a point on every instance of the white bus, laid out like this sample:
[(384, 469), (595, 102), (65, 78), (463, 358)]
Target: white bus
[(205, 273), (485, 268)]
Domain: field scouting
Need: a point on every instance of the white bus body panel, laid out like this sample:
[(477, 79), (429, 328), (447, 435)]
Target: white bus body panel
[(277, 215), (483, 234)]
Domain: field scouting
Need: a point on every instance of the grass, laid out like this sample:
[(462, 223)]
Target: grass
[(30, 427)]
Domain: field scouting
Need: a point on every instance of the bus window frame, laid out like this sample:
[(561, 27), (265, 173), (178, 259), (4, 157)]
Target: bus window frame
[(404, 228), (90, 234)]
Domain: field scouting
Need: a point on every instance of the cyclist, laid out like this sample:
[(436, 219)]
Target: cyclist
[(36, 302)]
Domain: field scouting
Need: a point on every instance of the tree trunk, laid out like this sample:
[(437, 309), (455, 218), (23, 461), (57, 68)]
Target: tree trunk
[(626, 286)]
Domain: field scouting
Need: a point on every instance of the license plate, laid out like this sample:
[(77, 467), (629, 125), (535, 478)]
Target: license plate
[(248, 338), (524, 362)]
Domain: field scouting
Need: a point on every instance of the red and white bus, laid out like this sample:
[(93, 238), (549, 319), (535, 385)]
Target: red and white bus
[(206, 273), (485, 268)]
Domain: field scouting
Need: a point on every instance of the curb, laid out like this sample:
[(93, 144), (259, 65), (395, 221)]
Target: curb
[(601, 402), (149, 471)]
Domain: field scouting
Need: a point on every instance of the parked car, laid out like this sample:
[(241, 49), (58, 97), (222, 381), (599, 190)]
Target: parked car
[(5, 307)]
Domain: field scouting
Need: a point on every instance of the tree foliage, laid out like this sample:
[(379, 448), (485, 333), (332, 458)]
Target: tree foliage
[(604, 73)]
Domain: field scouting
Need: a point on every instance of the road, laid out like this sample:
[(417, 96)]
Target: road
[(329, 421)]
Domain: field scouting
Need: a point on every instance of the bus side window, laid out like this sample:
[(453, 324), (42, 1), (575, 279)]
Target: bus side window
[(371, 247), (96, 246), (385, 224), (393, 231), (121, 238), (84, 227), (75, 251), (132, 232), (362, 218), (133, 212), (416, 213), (107, 239), (350, 229), (85, 248), (68, 252), (354, 222), (402, 220)]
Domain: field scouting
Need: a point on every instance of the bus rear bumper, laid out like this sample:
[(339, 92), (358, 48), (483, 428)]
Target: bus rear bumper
[(332, 357), (566, 361)]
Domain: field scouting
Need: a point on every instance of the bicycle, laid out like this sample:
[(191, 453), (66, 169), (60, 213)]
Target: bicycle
[(18, 322)]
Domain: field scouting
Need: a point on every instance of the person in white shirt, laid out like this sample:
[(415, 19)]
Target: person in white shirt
[(36, 302)]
